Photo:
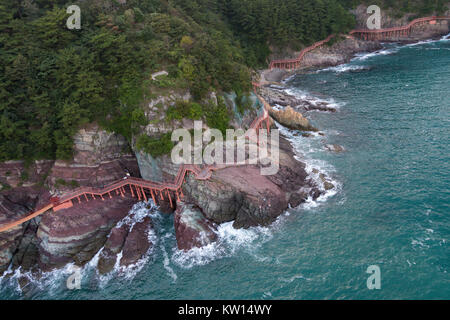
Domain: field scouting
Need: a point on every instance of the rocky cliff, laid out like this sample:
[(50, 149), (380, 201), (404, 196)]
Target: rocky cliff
[(74, 234)]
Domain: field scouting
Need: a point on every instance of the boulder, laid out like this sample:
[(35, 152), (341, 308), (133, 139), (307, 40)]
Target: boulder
[(335, 148), (326, 184), (291, 119)]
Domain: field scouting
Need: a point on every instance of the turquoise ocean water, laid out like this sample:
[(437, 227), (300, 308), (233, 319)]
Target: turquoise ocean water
[(392, 207)]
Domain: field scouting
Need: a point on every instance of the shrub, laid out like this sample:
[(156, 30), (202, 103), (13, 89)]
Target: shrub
[(155, 146)]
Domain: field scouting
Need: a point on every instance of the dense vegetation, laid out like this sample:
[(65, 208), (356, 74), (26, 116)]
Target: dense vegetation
[(53, 80), (420, 8)]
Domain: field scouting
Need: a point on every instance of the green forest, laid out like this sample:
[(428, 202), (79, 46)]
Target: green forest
[(53, 80)]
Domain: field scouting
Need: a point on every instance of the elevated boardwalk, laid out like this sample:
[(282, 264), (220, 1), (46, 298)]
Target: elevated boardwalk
[(139, 188), (363, 34)]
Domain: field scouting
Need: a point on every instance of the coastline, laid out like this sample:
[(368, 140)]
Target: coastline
[(281, 95), (317, 69)]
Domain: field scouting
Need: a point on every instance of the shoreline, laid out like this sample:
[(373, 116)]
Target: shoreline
[(278, 95), (326, 195), (350, 56)]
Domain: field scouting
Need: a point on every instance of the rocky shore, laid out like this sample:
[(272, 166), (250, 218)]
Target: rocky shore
[(77, 234), (238, 194), (345, 49)]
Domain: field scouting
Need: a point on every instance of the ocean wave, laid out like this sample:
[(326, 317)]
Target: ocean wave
[(314, 100), (50, 281), (367, 55), (294, 277), (229, 242), (305, 150), (136, 215), (344, 68)]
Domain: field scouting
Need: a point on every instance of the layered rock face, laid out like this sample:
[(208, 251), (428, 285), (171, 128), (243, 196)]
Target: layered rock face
[(16, 242), (14, 174), (73, 234), (99, 159), (192, 228), (77, 234)]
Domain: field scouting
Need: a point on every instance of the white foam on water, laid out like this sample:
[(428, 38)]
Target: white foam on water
[(343, 68), (166, 261), (314, 100), (137, 214), (420, 43), (305, 149), (49, 281), (229, 242), (294, 277), (367, 55)]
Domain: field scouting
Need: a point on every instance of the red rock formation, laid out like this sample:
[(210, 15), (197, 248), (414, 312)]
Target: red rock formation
[(192, 228)]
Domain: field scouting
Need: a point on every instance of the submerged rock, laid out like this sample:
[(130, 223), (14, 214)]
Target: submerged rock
[(192, 228), (326, 184), (335, 148)]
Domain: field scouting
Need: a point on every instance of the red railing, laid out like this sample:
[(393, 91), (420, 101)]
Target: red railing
[(291, 64), (138, 188)]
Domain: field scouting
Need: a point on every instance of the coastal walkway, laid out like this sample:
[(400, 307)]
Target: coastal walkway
[(140, 189), (363, 34)]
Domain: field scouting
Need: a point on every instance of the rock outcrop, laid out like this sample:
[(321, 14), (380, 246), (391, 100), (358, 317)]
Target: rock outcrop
[(334, 148), (291, 119), (340, 52), (77, 234), (73, 234), (192, 228), (99, 159), (133, 240), (275, 95), (137, 243), (15, 204), (241, 194)]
